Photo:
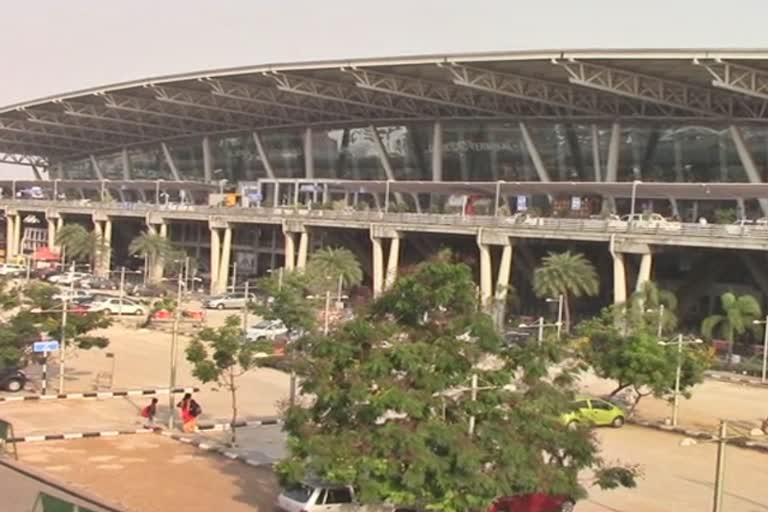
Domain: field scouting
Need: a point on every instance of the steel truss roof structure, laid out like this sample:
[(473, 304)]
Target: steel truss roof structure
[(705, 86)]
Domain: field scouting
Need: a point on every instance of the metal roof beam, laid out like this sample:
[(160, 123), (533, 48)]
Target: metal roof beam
[(22, 159), (54, 121), (459, 101), (669, 93), (112, 116), (21, 127), (737, 78), (524, 88), (209, 102), (371, 105)]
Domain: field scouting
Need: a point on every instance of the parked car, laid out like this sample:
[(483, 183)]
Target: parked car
[(67, 278), (236, 300), (98, 283), (648, 220), (72, 295), (12, 269), (535, 502), (12, 379), (86, 300), (316, 497), (45, 273), (266, 330), (114, 306), (594, 411)]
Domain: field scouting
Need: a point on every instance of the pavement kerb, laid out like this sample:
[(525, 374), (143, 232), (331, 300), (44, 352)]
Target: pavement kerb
[(735, 379), (698, 434), (215, 448)]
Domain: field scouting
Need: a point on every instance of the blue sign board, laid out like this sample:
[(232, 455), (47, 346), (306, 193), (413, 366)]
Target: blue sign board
[(45, 346)]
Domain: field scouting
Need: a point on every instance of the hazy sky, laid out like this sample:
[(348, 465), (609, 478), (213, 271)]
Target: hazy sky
[(55, 46)]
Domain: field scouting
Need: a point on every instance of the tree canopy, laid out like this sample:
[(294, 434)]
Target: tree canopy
[(391, 410), (739, 313), (568, 274), (79, 244), (329, 265)]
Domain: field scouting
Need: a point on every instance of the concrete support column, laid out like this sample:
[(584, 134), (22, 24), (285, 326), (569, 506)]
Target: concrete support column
[(437, 151), (226, 251), (59, 225), (309, 161), (18, 246), (378, 265), (644, 275), (10, 233), (157, 266), (290, 251), (301, 261), (98, 265), (215, 257), (619, 278), (486, 272), (502, 285), (207, 160), (393, 262), (106, 247), (52, 232)]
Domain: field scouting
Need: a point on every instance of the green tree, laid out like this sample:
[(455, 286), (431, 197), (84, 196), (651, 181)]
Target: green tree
[(636, 360), (287, 302), (222, 355), (154, 248), (390, 412), (737, 318), (79, 244), (328, 266), (568, 274), (650, 306)]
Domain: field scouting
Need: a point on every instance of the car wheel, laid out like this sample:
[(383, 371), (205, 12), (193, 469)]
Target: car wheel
[(618, 422), (14, 385), (568, 506), (138, 312), (219, 306)]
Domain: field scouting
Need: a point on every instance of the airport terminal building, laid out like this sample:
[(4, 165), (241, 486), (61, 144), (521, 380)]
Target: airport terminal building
[(566, 135)]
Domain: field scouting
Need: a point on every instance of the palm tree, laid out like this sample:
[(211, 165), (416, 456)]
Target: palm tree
[(567, 274), (653, 307), (155, 249), (329, 266), (738, 316), (79, 244)]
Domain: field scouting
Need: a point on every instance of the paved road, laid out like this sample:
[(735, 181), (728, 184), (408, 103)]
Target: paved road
[(19, 492)]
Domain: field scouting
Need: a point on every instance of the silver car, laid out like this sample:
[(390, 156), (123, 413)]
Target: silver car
[(236, 300)]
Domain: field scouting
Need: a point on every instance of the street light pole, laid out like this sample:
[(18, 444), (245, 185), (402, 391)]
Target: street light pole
[(660, 329), (174, 353), (473, 395), (541, 330), (717, 504), (676, 403), (765, 352), (64, 308), (560, 306), (635, 183)]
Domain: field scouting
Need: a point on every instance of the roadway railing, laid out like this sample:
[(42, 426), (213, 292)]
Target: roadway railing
[(667, 230)]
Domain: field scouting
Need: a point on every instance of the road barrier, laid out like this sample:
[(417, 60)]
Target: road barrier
[(93, 395)]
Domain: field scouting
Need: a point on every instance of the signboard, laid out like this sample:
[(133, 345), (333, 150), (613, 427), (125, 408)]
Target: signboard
[(575, 203), (522, 203), (45, 346)]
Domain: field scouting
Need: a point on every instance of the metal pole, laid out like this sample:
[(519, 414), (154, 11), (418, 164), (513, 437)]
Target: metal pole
[(122, 289), (45, 373), (722, 439), (632, 205), (386, 198), (541, 329), (765, 351), (496, 199), (174, 350), (341, 284), (660, 329), (64, 308), (280, 278), (245, 309), (234, 276), (474, 399), (560, 304), (676, 402), (326, 319)]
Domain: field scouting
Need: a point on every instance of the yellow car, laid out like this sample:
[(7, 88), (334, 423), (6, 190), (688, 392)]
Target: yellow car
[(594, 411)]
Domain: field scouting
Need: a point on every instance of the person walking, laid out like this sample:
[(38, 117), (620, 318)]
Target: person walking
[(149, 413), (190, 410)]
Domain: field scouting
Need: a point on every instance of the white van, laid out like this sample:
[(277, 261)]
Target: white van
[(317, 497)]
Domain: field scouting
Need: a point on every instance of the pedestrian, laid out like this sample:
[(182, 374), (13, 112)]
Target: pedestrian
[(149, 413), (190, 410)]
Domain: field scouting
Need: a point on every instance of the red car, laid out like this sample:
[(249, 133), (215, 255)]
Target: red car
[(535, 502)]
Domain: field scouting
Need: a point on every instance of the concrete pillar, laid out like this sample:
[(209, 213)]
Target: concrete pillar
[(18, 246), (502, 285), (215, 257), (10, 232), (207, 160), (644, 275), (301, 261), (51, 233), (619, 278), (106, 247), (309, 160), (486, 271), (226, 251), (98, 264), (290, 251), (378, 266), (437, 151), (393, 262), (156, 270)]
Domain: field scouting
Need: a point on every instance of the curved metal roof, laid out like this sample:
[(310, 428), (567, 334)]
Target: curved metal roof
[(705, 86)]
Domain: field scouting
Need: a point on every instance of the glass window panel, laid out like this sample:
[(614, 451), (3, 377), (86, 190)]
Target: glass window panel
[(285, 151), (149, 164), (235, 158), (188, 158)]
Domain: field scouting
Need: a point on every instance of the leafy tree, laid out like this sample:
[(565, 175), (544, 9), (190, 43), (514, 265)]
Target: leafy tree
[(567, 274), (222, 355), (636, 360), (156, 249), (329, 265), (79, 244), (737, 318), (288, 302), (390, 412), (650, 306)]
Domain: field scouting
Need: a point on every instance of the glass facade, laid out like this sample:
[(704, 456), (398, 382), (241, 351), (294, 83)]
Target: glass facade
[(481, 150)]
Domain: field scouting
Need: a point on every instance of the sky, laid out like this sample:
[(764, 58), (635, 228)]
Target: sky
[(54, 46)]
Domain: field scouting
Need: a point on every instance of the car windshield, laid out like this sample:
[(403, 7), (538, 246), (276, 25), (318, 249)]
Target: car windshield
[(266, 324), (300, 493)]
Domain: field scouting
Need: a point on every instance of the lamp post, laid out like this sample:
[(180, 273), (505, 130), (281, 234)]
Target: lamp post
[(678, 371), (765, 347), (174, 352), (560, 303)]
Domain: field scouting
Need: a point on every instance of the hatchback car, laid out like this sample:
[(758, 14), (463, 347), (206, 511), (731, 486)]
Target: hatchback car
[(12, 269), (315, 497), (68, 277), (594, 411), (228, 301), (266, 330), (114, 306), (12, 379)]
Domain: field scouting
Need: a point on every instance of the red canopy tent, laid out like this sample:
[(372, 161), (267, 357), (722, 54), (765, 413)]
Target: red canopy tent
[(45, 254)]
